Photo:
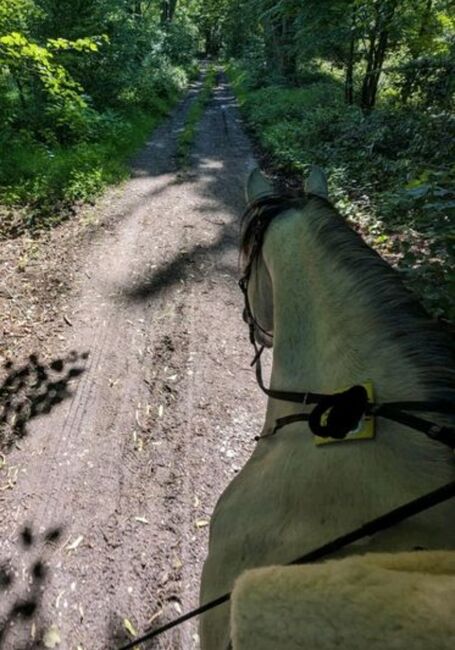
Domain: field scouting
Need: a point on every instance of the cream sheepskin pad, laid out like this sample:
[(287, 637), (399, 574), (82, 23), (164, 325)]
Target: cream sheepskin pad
[(371, 602)]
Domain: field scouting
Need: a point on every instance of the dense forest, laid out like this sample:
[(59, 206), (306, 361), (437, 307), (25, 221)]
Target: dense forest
[(365, 88), (82, 84)]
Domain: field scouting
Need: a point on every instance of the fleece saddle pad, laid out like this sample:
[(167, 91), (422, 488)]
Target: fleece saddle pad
[(371, 602)]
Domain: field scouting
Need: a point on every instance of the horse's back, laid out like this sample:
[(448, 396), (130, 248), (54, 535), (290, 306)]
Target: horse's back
[(291, 498)]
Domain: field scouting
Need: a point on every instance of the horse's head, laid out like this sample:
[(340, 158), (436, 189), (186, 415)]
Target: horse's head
[(264, 203)]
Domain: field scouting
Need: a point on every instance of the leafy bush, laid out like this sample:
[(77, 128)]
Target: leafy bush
[(181, 42), (81, 84), (53, 179), (394, 164), (428, 80), (273, 104)]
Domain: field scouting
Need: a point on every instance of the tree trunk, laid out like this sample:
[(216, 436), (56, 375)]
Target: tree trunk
[(288, 52), (168, 8), (280, 51), (379, 37), (20, 89), (373, 73), (349, 82), (425, 18), (271, 45), (349, 79)]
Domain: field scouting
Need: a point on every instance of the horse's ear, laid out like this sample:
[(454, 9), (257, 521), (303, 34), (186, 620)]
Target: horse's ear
[(257, 186), (316, 183)]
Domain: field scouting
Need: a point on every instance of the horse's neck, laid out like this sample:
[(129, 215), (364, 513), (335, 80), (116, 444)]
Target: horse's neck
[(323, 340)]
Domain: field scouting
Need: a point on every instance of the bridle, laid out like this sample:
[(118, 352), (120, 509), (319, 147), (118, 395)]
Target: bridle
[(258, 216), (335, 415)]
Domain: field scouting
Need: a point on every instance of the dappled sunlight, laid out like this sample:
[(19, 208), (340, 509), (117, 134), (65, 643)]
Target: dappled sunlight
[(218, 180), (122, 178)]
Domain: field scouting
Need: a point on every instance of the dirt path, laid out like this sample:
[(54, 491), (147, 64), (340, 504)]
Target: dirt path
[(132, 464)]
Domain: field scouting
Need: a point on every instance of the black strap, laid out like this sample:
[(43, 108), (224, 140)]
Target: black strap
[(287, 396), (381, 523), (442, 434), (436, 406), (345, 410), (344, 413)]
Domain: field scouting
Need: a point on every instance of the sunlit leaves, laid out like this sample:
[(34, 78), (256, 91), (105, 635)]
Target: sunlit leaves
[(26, 57)]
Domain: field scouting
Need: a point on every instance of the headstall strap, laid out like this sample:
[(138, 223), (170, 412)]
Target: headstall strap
[(344, 411)]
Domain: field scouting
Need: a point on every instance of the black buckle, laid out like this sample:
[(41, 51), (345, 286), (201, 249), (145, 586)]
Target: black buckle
[(343, 413)]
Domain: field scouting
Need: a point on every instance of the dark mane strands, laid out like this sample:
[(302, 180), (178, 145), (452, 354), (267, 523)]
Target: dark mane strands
[(256, 219)]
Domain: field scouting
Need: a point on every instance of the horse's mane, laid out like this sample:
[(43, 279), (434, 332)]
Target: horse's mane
[(378, 286), (256, 219)]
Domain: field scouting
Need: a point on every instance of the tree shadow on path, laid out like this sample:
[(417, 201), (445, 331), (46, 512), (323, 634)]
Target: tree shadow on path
[(220, 162)]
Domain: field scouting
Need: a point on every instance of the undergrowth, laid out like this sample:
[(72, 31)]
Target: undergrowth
[(82, 85), (390, 171), (41, 184)]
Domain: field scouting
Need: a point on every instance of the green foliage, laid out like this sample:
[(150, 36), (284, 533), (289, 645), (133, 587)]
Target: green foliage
[(29, 62), (392, 170), (16, 15), (409, 41), (182, 40), (366, 89), (273, 104), (54, 179), (80, 82)]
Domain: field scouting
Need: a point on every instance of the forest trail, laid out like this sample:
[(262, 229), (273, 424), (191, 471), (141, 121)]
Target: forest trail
[(132, 464)]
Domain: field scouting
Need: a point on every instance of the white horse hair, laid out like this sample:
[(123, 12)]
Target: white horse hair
[(339, 316)]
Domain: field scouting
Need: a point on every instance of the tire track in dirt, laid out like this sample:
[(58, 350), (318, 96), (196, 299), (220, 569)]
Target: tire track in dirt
[(166, 412)]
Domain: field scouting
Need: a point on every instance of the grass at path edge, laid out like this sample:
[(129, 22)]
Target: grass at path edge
[(41, 186)]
